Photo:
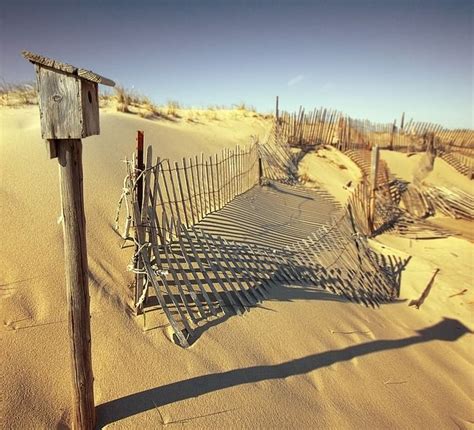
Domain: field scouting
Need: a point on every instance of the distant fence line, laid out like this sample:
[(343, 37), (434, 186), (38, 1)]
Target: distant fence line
[(330, 127)]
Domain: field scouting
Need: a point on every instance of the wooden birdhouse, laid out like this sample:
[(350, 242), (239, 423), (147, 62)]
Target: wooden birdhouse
[(68, 98)]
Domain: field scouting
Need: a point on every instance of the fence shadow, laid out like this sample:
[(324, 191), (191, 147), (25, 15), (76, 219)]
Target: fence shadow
[(208, 279), (275, 215), (447, 330)]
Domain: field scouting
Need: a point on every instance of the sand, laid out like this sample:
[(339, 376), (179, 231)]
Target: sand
[(332, 170), (304, 359)]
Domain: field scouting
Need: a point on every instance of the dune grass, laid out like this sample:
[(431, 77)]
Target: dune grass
[(129, 101)]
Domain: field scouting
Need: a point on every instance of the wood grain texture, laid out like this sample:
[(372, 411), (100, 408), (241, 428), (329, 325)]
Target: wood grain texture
[(67, 68), (90, 108), (59, 104), (77, 290), (69, 106)]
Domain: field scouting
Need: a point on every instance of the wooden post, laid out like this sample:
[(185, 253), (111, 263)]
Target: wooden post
[(394, 129), (139, 166), (77, 290), (260, 171), (374, 167), (137, 264), (277, 112), (69, 111)]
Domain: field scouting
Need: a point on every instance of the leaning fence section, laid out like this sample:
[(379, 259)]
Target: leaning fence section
[(159, 195), (194, 187), (195, 277)]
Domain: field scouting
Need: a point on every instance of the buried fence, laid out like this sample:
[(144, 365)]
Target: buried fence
[(381, 201), (196, 277), (330, 127), (159, 195)]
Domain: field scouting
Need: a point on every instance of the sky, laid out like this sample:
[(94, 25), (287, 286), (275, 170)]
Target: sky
[(369, 59)]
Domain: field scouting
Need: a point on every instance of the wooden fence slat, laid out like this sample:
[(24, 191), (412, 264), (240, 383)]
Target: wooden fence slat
[(180, 188), (196, 191), (218, 182), (213, 185), (188, 190), (173, 189), (184, 253)]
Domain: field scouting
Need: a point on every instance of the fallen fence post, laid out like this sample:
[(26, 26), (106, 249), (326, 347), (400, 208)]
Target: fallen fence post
[(69, 111)]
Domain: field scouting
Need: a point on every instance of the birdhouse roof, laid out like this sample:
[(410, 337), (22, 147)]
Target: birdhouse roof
[(67, 68)]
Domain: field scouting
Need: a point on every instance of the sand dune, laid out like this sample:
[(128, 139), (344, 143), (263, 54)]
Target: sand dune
[(303, 359)]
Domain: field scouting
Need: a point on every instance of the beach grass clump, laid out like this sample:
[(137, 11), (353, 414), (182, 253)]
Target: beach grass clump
[(17, 94), (172, 107), (124, 98)]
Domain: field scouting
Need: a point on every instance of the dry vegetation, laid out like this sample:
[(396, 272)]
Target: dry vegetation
[(128, 101), (17, 94)]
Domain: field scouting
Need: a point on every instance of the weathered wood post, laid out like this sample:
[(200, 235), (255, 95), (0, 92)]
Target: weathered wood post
[(260, 170), (374, 167), (69, 110), (392, 135), (277, 112), (137, 263)]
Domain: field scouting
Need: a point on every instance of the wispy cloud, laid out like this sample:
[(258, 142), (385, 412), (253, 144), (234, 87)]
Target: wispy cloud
[(328, 86), (295, 80)]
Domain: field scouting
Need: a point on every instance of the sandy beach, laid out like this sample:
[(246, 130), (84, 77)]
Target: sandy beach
[(304, 358)]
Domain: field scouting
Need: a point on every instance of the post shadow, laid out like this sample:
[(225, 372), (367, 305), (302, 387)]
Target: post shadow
[(447, 330)]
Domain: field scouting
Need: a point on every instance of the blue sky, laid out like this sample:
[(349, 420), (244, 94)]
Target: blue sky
[(370, 59)]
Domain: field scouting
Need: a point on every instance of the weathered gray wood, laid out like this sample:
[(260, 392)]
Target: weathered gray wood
[(181, 193), (194, 273), (195, 194), (193, 217), (161, 300), (90, 108), (374, 167), (209, 188), (173, 189), (69, 107), (77, 290), (176, 281), (180, 269), (144, 221), (69, 110), (67, 68), (60, 110), (154, 198), (219, 183), (213, 185)]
